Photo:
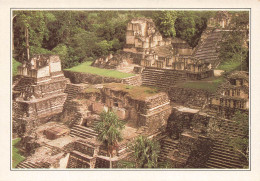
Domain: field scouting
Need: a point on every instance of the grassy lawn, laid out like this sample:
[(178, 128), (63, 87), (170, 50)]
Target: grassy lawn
[(135, 92), (91, 90), (209, 85), (16, 157), (15, 65), (86, 68), (229, 66)]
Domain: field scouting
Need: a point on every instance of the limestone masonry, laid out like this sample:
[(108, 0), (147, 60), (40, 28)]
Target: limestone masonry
[(39, 91)]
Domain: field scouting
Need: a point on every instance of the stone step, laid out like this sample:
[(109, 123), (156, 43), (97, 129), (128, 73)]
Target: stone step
[(23, 165), (219, 164), (227, 159), (79, 135), (28, 165), (224, 153), (82, 132), (222, 163), (216, 165)]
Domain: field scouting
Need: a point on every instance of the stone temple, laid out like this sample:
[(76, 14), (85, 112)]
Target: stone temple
[(55, 116), (38, 91), (145, 47)]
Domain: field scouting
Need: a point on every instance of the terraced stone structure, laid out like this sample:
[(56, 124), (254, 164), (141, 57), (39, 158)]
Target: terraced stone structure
[(162, 78), (233, 95), (38, 92), (83, 155), (140, 106), (145, 47)]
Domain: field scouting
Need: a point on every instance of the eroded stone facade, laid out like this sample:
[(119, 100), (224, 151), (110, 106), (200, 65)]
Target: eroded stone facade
[(233, 95), (39, 93)]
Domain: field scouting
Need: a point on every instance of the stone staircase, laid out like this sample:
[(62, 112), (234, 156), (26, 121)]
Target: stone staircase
[(208, 49), (168, 145), (22, 83), (94, 123), (16, 80), (162, 78), (122, 150), (82, 132), (72, 90), (31, 165), (134, 80), (222, 154)]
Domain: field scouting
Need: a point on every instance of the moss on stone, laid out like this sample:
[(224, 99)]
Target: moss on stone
[(136, 92), (91, 90)]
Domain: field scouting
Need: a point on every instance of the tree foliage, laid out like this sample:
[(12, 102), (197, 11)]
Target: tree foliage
[(75, 35), (145, 152), (80, 35), (165, 21), (189, 25), (109, 130), (234, 47), (30, 29), (241, 144)]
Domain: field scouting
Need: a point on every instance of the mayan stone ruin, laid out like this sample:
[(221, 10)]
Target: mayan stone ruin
[(56, 111)]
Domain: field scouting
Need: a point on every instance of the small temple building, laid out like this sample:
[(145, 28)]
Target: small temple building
[(39, 92), (233, 95)]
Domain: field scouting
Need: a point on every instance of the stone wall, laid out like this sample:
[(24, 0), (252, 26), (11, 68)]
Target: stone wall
[(43, 107), (191, 129), (200, 75), (155, 121), (134, 80), (83, 155), (71, 114), (189, 97), (78, 77), (151, 112), (78, 161), (162, 78)]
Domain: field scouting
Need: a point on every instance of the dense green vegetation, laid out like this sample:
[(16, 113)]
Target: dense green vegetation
[(16, 157), (234, 47), (229, 66), (14, 66), (241, 144), (145, 152), (87, 68), (189, 25), (78, 36)]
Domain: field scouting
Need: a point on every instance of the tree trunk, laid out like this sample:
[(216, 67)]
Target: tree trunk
[(110, 161), (13, 41), (27, 43), (13, 33)]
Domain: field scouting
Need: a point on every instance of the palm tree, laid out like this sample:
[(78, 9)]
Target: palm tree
[(109, 131), (145, 152)]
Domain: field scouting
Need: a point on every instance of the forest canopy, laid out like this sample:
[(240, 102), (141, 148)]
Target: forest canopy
[(79, 36)]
